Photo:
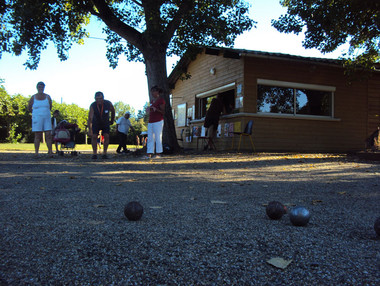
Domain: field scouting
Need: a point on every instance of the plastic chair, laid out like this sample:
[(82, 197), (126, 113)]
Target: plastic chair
[(247, 133)]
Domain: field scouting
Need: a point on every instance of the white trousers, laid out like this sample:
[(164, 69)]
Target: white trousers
[(155, 137)]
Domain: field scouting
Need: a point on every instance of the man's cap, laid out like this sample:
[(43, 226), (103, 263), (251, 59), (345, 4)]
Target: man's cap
[(127, 113)]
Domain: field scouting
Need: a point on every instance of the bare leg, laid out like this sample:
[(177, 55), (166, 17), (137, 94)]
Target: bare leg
[(94, 143), (49, 142), (106, 143), (37, 141)]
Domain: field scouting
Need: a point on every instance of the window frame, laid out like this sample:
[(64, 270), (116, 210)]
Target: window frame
[(200, 108), (297, 86)]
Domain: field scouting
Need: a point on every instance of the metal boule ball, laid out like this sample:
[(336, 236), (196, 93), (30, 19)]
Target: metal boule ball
[(275, 210), (299, 216), (133, 211), (377, 226)]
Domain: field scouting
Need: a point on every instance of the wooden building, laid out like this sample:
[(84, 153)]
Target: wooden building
[(296, 103)]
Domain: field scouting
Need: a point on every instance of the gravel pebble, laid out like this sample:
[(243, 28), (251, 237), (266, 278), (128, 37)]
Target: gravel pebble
[(204, 222)]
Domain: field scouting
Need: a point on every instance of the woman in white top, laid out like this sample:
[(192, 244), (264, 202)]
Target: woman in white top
[(40, 106)]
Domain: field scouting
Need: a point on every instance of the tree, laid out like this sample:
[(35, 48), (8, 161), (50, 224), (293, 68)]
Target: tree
[(328, 24), (153, 29), (142, 114), (15, 122), (121, 108)]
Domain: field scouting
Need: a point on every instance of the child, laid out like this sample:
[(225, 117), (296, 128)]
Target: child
[(100, 140)]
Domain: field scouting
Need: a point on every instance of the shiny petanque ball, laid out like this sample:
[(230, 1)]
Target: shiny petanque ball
[(377, 226), (299, 216), (133, 211), (275, 210)]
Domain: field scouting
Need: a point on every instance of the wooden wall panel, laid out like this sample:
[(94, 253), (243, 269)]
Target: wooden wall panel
[(373, 104), (350, 103), (356, 105), (227, 71)]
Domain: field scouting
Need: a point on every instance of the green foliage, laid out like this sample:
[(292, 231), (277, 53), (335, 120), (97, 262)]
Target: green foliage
[(31, 24), (14, 117), (173, 25), (143, 115), (331, 23), (121, 108), (13, 137), (176, 26), (72, 114), (5, 102), (139, 126), (137, 123)]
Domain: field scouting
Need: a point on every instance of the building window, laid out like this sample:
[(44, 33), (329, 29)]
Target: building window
[(294, 98), (313, 102), (275, 99), (203, 104)]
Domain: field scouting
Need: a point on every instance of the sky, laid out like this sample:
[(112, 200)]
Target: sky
[(87, 70)]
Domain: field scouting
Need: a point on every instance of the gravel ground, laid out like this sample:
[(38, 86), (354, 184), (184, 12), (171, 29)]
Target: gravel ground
[(204, 222)]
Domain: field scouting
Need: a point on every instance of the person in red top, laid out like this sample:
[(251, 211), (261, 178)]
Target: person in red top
[(156, 112)]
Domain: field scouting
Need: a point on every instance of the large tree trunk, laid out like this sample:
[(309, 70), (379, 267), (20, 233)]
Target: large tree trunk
[(155, 64)]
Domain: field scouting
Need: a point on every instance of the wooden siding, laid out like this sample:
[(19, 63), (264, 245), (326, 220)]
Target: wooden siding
[(350, 107), (227, 71), (356, 105), (373, 104)]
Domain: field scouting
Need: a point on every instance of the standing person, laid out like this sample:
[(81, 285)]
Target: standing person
[(40, 106), (156, 112), (122, 127), (212, 120), (54, 121), (99, 119), (100, 141)]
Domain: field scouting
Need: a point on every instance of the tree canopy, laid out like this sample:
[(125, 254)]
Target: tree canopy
[(328, 24), (171, 26), (152, 30)]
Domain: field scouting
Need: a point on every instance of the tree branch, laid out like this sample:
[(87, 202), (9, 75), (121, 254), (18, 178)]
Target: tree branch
[(125, 31), (137, 2), (185, 8)]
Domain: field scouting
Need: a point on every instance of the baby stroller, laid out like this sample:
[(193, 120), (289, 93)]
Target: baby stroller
[(65, 134)]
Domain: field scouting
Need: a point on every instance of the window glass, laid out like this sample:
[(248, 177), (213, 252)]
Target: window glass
[(313, 102), (227, 98), (283, 100), (208, 101), (275, 99)]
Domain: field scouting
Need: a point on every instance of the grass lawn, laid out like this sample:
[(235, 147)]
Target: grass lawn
[(29, 147)]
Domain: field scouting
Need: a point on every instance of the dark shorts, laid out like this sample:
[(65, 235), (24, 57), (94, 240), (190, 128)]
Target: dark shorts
[(96, 127)]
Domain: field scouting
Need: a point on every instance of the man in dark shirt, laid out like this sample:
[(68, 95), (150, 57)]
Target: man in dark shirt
[(212, 120), (99, 119)]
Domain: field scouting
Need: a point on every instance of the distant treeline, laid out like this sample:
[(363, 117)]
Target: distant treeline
[(16, 120)]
